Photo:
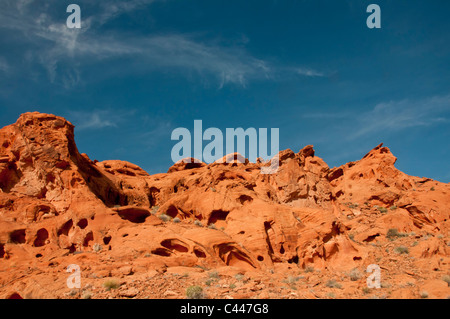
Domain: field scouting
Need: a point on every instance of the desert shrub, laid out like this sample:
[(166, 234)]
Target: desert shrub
[(198, 223), (393, 233), (446, 278), (384, 284), (291, 279), (214, 275), (87, 295), (154, 210), (366, 290), (176, 220), (97, 247), (423, 294), (333, 284), (111, 284), (73, 292), (212, 226), (355, 275), (401, 250), (164, 217), (382, 209), (239, 277), (195, 292), (309, 269)]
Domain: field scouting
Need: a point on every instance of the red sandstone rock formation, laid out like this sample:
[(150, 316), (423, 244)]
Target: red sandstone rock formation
[(58, 207)]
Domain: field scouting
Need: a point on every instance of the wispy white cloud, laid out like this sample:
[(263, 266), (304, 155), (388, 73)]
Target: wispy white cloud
[(98, 119), (4, 67), (113, 9), (326, 115), (157, 130), (22, 4), (399, 115), (380, 120), (310, 72), (59, 47)]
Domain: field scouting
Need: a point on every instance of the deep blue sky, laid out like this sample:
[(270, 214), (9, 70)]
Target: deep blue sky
[(138, 69)]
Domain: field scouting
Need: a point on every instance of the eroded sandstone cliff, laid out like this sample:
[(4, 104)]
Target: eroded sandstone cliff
[(307, 221)]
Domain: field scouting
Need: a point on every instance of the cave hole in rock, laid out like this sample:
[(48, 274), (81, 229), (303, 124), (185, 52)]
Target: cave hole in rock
[(82, 223), (217, 215), (126, 172), (161, 252), (339, 193), (232, 256), (371, 238), (175, 244), (15, 295), (107, 240), (72, 248), (192, 165), (269, 232), (50, 178), (260, 258), (44, 211), (65, 228), (245, 198), (62, 165), (43, 193), (2, 251), (89, 237), (282, 251), (293, 260), (134, 214), (172, 211), (41, 237), (357, 258), (9, 177), (335, 231), (199, 253), (38, 255), (152, 196), (242, 232), (18, 236)]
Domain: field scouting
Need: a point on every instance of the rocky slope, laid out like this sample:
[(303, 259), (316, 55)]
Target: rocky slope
[(307, 231)]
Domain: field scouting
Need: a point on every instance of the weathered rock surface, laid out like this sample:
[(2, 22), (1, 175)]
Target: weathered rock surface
[(58, 207)]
